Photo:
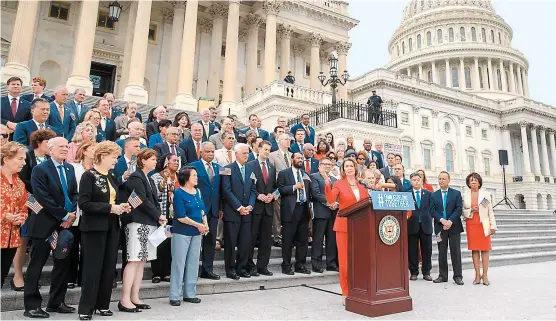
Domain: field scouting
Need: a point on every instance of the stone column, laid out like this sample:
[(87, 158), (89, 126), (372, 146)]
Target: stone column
[(519, 82), (271, 8), (298, 60), (552, 150), (409, 71), (544, 150), (421, 71), (230, 61), (184, 97), (342, 49), (205, 28), (124, 79), (477, 81), (285, 33), (512, 77), (433, 71), (85, 35), (23, 37), (315, 40), (525, 83), (536, 155), (448, 73), (462, 83), (175, 51), (490, 74), (253, 22), (218, 12), (134, 89), (525, 146), (503, 76)]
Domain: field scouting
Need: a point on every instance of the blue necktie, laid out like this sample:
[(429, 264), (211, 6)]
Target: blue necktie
[(301, 191), (444, 196), (242, 169), (67, 203), (418, 200)]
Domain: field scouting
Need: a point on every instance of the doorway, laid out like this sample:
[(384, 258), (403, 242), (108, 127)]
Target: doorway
[(103, 77)]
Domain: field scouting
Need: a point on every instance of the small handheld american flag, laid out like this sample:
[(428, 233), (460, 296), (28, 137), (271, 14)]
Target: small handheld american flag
[(53, 240), (33, 205), (485, 202), (134, 200)]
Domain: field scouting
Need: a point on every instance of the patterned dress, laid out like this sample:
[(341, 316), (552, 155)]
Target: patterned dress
[(13, 198)]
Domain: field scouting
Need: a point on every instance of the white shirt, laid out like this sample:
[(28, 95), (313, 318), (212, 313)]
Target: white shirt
[(78, 106), (38, 124), (130, 166)]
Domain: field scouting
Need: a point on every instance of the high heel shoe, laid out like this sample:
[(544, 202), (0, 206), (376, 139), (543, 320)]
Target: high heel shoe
[(16, 288), (85, 317), (104, 313), (486, 281), (124, 309), (475, 282)]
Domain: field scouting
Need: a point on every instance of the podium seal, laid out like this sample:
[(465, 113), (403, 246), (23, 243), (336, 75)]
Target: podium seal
[(389, 230)]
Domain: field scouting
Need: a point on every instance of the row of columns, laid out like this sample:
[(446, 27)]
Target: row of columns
[(537, 170), (488, 75)]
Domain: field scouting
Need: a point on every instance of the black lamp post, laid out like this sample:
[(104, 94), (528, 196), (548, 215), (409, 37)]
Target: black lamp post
[(334, 80), (114, 11)]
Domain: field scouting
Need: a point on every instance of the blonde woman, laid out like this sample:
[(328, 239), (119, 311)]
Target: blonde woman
[(84, 132), (479, 225)]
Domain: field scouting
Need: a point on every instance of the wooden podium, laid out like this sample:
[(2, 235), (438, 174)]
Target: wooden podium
[(378, 278)]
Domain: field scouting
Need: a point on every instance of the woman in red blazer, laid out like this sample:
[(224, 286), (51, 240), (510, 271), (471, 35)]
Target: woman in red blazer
[(344, 193)]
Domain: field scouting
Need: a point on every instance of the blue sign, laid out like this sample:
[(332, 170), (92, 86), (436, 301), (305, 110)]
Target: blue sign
[(392, 201)]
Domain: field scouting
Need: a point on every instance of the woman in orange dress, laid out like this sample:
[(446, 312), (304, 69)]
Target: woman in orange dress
[(13, 211), (479, 225), (344, 193), (322, 149)]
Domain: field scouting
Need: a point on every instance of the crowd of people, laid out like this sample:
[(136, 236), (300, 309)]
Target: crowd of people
[(82, 182)]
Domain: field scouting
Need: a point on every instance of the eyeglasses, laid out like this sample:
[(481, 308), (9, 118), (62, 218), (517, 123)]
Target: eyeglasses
[(5, 135), (361, 158), (326, 164)]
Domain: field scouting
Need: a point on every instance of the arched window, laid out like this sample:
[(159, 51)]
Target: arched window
[(481, 78), (429, 76), (439, 36), (449, 152), (442, 76), (484, 34), (429, 38), (410, 44), (492, 35), (467, 72), (499, 38), (451, 34), (499, 77), (418, 42), (398, 50), (462, 34), (473, 34), (403, 47), (455, 79)]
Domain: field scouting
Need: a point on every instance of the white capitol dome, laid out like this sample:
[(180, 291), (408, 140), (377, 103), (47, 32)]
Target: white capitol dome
[(464, 37)]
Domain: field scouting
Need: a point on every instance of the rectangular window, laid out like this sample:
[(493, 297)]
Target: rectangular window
[(405, 117), (152, 32), (484, 134), (104, 22), (307, 69), (259, 56), (487, 166), (59, 10), (467, 72), (9, 4), (425, 121), (406, 156), (455, 78), (468, 131), (223, 50), (427, 158), (471, 162)]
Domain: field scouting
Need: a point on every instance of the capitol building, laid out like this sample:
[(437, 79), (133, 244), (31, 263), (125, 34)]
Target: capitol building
[(457, 88)]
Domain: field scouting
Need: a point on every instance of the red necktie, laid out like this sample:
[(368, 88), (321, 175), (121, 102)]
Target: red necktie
[(307, 166), (14, 106), (265, 173), (198, 149), (173, 149)]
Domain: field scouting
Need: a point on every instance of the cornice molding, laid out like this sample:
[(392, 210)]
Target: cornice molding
[(320, 13)]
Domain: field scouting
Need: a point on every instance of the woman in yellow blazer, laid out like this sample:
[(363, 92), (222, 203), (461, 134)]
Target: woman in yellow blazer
[(479, 225)]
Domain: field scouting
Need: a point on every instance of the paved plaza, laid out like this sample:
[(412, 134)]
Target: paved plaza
[(519, 292)]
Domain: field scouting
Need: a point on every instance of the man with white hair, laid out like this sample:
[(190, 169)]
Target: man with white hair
[(77, 104), (159, 114), (135, 129), (130, 110), (209, 128), (62, 119), (227, 127)]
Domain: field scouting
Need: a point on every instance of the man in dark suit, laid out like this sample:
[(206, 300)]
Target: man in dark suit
[(419, 229), (171, 146), (209, 127), (294, 187), (135, 129), (38, 84), (55, 188), (261, 228), (209, 178), (107, 128), (254, 144), (192, 145), (40, 111), (309, 131), (79, 108), (62, 119), (213, 115), (297, 145), (324, 215), (126, 164), (388, 170), (278, 130), (378, 155), (253, 121), (447, 225), (310, 164), (159, 114), (37, 152), (239, 194), (15, 109), (399, 171)]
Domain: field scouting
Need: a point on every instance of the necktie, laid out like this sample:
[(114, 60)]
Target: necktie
[(265, 172), (286, 160), (206, 126), (41, 126), (67, 202), (418, 200), (307, 131), (173, 149), (109, 114), (300, 147), (198, 149), (61, 111), (14, 106), (391, 170), (210, 172), (78, 109), (307, 166), (444, 196), (230, 156), (242, 169), (301, 191)]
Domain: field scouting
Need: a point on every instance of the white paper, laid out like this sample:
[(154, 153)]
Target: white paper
[(158, 236)]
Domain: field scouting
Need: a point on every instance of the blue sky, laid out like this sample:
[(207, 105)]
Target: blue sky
[(532, 21)]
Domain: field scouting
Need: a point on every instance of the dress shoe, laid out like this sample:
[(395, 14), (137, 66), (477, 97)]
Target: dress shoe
[(244, 274), (302, 270), (317, 269), (122, 308), (278, 243), (85, 317), (175, 303), (333, 268), (166, 279), (142, 306), (192, 300), (156, 279), (254, 273), (458, 280), (104, 313), (440, 280), (71, 285), (232, 276), (288, 271), (36, 313), (427, 278), (209, 275), (265, 272), (63, 308), (413, 277), (16, 288), (114, 284)]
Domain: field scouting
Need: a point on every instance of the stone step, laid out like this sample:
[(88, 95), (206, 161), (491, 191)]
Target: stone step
[(523, 212), (14, 300), (496, 242), (520, 232), (525, 221), (503, 250), (534, 226), (524, 216)]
